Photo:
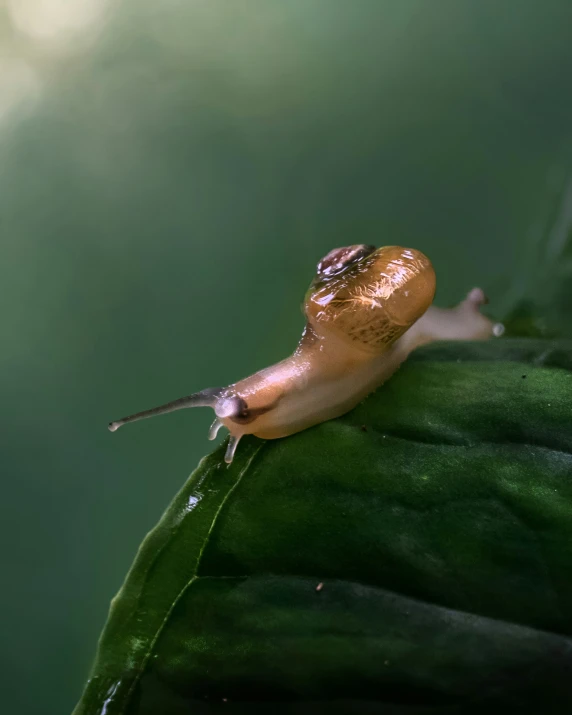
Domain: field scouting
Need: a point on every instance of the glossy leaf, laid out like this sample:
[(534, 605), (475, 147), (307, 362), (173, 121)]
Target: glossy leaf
[(437, 517)]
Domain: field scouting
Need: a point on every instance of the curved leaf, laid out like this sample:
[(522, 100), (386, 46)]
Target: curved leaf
[(437, 516)]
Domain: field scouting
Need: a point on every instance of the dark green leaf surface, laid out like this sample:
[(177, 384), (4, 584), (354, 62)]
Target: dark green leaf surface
[(438, 517)]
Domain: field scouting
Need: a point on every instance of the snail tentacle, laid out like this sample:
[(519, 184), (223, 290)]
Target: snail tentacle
[(204, 398), (214, 428), (231, 448)]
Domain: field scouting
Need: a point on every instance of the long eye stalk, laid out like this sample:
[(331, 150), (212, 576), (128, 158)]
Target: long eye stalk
[(204, 398)]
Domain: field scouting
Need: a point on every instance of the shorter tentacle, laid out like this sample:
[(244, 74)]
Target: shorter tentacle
[(214, 428), (231, 448)]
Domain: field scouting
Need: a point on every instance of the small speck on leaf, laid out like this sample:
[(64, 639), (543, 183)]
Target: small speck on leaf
[(319, 587), (363, 428), (523, 377)]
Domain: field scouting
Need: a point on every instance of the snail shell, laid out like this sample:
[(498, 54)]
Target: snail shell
[(369, 298)]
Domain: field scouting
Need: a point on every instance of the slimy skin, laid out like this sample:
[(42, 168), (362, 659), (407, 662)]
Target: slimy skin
[(366, 310)]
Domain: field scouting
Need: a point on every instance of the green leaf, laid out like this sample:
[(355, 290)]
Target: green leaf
[(438, 517)]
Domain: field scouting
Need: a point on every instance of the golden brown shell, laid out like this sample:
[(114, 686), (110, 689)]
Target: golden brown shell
[(374, 298)]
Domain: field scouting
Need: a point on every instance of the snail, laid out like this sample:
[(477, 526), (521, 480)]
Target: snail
[(366, 310)]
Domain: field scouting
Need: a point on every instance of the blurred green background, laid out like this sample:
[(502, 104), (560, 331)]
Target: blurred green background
[(170, 173)]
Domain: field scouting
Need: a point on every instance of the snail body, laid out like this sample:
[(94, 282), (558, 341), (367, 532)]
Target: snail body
[(366, 310)]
